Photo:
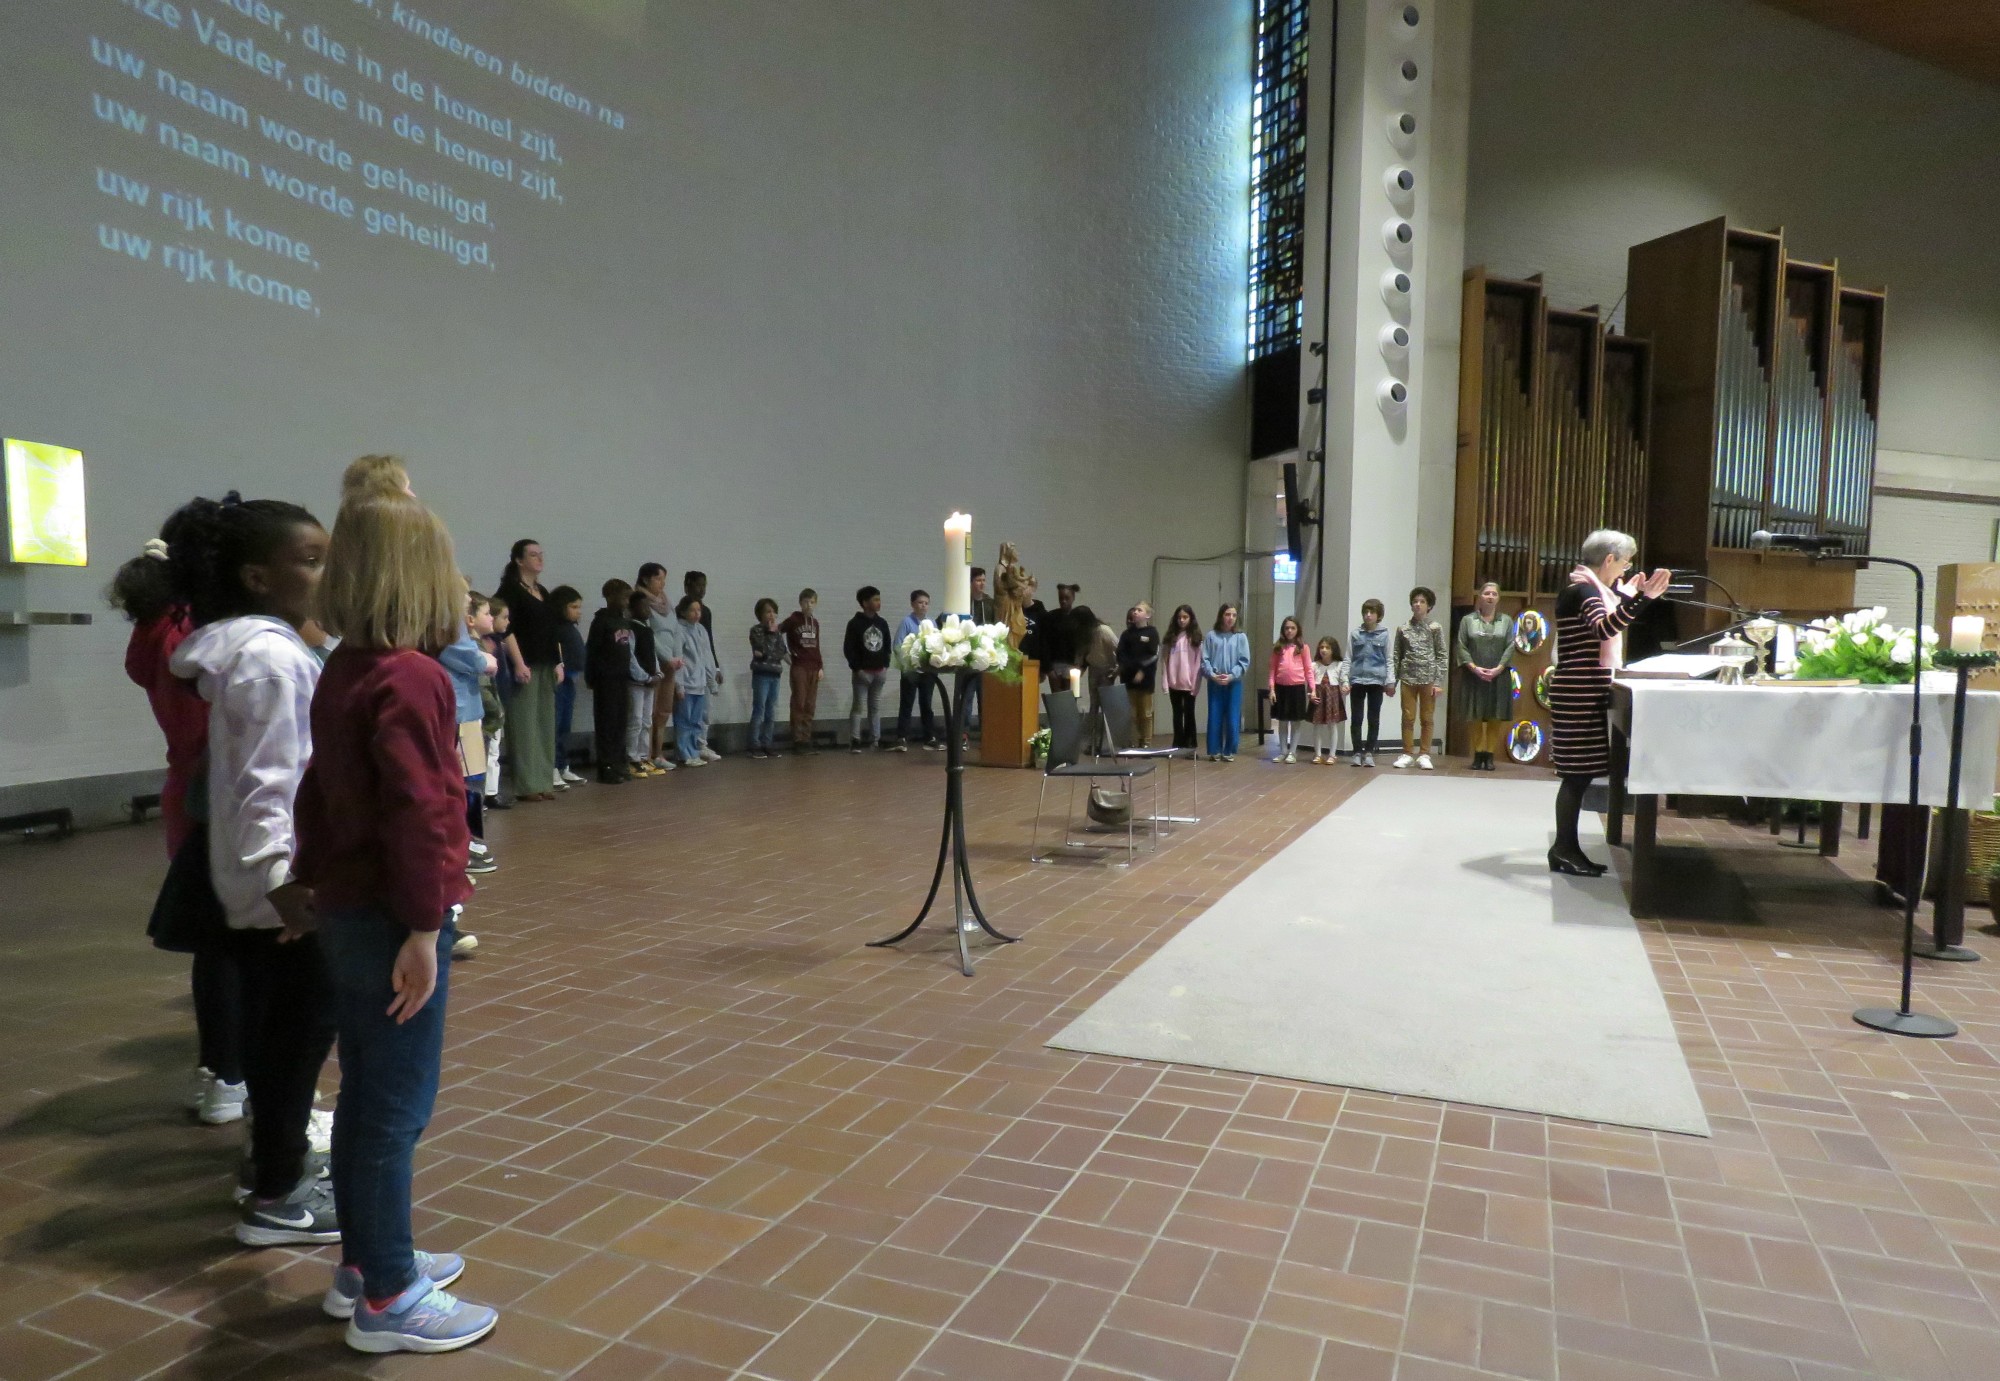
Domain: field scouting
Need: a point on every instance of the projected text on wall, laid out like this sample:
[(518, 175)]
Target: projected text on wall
[(252, 143)]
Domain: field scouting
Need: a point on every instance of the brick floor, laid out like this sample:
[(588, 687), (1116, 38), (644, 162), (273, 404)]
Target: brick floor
[(691, 1128)]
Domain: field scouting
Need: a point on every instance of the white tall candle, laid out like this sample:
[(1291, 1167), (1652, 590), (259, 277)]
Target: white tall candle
[(957, 566), (1968, 631)]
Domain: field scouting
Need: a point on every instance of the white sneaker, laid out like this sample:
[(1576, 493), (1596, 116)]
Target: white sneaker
[(662, 763), (1368, 761), (1291, 757), (570, 777), (708, 754), (558, 784), (1403, 760), (696, 762), (1424, 761), (196, 1089), (222, 1103), (319, 1131), (464, 945)]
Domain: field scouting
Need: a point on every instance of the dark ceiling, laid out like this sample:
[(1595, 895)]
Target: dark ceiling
[(1961, 36)]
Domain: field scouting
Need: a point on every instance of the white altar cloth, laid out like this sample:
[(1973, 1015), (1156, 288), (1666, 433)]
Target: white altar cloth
[(1805, 743)]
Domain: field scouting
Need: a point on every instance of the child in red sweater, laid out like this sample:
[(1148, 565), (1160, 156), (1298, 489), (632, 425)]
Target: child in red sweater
[(144, 590), (382, 842)]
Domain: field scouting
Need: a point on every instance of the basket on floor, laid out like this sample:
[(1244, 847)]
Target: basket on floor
[(1982, 849)]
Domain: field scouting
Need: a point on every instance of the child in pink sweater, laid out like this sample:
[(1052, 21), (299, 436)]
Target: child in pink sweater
[(1290, 686)]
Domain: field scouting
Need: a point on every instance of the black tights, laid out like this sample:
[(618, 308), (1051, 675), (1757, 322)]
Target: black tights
[(288, 1037), (1569, 806), (219, 1014)]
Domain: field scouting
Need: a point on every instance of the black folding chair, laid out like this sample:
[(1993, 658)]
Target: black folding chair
[(1121, 741), (1066, 761)]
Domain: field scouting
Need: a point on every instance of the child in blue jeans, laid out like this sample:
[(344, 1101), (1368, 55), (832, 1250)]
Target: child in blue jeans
[(568, 604), (768, 652), (698, 676), (1225, 656), (382, 836)]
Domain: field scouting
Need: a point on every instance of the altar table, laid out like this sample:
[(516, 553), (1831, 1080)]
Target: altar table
[(1809, 743)]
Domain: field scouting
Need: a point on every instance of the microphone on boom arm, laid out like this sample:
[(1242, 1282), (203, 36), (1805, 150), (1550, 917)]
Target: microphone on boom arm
[(1812, 543)]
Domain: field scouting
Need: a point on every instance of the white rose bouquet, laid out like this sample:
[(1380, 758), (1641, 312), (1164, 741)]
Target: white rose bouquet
[(1863, 646), (960, 645)]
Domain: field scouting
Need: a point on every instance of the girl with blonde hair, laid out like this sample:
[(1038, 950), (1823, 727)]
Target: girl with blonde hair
[(382, 843), (376, 477)]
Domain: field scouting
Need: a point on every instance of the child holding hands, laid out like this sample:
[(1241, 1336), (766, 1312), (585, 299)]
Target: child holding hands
[(1289, 682), (1329, 701), (381, 835)]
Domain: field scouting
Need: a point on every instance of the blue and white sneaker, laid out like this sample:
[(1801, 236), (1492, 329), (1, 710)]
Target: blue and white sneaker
[(421, 1319), (345, 1292), (305, 1217)]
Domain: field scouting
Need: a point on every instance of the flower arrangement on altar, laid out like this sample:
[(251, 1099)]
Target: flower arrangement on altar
[(960, 645), (1863, 646)]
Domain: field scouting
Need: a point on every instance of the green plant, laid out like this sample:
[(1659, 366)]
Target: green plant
[(1862, 646), (1038, 747)]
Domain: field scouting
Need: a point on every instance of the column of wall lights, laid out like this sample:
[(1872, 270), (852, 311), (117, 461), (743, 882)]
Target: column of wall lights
[(1399, 184)]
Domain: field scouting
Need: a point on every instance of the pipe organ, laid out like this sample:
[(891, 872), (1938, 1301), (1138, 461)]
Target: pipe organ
[(1554, 414), (1767, 375), (1553, 441)]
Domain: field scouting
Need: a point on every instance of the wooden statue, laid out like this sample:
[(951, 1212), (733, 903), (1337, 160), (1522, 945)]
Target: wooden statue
[(1013, 591)]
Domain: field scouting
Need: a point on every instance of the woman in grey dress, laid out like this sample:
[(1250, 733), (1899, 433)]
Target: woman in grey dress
[(1485, 652)]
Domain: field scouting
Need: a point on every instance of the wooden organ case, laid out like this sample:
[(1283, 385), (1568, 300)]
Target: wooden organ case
[(1554, 423), (1767, 384)]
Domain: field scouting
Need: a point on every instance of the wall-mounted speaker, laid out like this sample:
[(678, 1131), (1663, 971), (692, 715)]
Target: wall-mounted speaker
[(1397, 237), (1402, 130), (1395, 342), (1400, 184), (1396, 291), (1408, 19), (1392, 395), (1408, 71)]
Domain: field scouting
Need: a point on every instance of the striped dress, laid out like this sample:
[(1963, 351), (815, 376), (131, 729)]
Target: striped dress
[(1580, 685)]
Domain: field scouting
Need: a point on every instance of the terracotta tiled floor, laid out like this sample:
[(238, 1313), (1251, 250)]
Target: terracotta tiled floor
[(692, 1129)]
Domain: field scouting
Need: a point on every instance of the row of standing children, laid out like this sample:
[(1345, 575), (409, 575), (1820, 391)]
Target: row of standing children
[(1380, 660), (318, 821)]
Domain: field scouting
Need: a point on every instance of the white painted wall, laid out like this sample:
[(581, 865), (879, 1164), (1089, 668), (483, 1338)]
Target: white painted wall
[(1932, 533), (855, 266), (1598, 125), (1389, 477)]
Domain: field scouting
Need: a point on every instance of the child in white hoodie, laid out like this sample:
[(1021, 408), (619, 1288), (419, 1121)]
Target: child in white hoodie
[(248, 572)]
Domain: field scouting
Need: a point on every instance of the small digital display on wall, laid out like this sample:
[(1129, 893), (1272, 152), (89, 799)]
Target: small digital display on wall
[(1284, 570), (45, 504)]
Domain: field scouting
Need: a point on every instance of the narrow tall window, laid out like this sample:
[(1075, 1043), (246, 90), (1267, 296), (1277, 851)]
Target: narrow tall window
[(1277, 177)]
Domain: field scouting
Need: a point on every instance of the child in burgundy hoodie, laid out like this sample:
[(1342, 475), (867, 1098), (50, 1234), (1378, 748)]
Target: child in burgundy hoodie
[(382, 843)]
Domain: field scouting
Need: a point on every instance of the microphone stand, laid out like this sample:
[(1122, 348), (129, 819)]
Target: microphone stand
[(1743, 616), (1901, 1020), (1735, 605)]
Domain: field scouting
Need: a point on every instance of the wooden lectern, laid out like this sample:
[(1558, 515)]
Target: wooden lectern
[(1009, 717)]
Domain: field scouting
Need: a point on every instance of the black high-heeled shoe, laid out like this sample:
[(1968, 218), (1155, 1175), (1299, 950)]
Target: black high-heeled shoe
[(1577, 867)]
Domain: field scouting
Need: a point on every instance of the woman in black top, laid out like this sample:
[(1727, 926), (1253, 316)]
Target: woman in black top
[(538, 669)]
